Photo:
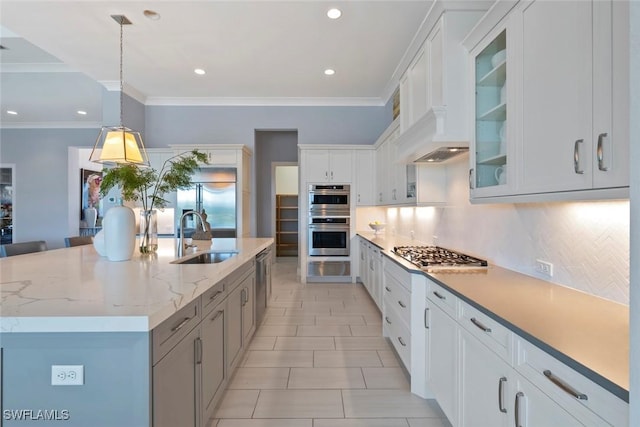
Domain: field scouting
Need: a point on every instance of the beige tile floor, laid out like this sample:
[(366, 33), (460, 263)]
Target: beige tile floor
[(319, 360)]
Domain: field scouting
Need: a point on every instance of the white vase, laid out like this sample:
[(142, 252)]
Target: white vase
[(91, 216), (119, 226), (98, 243)]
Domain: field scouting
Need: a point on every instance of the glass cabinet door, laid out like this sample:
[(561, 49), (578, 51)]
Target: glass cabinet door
[(491, 114)]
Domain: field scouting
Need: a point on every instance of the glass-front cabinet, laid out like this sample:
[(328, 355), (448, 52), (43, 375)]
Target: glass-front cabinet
[(489, 159), (7, 183)]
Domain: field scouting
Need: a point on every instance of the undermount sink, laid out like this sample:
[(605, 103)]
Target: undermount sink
[(207, 258)]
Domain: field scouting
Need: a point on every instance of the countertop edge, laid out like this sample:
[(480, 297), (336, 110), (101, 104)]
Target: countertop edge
[(602, 381)]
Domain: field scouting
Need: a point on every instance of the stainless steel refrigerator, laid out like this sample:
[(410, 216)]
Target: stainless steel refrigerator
[(214, 192)]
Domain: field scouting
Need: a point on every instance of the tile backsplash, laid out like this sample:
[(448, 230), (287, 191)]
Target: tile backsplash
[(587, 242)]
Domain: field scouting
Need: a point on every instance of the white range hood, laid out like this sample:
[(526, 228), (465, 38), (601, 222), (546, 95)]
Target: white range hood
[(427, 142)]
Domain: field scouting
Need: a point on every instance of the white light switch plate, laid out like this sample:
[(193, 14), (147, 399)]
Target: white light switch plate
[(67, 374)]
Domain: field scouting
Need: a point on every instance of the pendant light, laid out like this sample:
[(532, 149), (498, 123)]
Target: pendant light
[(119, 143)]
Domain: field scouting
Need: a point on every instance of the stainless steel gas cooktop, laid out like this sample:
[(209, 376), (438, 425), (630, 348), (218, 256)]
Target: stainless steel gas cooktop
[(427, 257)]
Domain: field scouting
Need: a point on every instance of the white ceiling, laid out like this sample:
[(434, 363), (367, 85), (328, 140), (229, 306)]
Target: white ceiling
[(254, 52)]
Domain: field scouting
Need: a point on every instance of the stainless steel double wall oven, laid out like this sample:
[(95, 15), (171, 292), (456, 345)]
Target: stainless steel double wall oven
[(329, 220)]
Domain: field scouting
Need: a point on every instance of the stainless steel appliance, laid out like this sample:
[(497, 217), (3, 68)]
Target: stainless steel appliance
[(436, 257), (329, 236), (334, 200), (263, 282), (214, 191)]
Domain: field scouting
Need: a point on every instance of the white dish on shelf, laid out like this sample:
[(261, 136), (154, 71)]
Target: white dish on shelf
[(498, 57)]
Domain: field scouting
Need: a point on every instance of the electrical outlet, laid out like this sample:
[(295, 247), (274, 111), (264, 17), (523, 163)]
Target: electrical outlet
[(544, 267), (67, 374), (435, 240), (412, 234)]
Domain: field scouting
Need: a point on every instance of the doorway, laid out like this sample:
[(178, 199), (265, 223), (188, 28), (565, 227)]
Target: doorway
[(285, 193)]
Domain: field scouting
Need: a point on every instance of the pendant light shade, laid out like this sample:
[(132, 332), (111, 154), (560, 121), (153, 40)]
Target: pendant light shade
[(118, 144)]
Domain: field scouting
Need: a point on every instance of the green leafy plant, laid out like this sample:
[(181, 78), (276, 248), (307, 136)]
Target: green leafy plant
[(148, 185)]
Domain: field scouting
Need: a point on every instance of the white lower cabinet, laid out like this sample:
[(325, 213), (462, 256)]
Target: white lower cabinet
[(370, 269), (482, 374), (441, 359), (484, 382), (396, 310)]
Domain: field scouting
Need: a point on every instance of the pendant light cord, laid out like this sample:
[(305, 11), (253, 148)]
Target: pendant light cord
[(121, 82)]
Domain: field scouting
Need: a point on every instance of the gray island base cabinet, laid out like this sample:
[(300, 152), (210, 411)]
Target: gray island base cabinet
[(190, 377), (116, 375)]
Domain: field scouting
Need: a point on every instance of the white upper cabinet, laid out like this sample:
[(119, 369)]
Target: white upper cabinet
[(433, 100), (327, 165), (364, 177), (566, 99)]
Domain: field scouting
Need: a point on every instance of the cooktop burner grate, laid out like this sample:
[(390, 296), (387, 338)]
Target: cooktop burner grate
[(436, 256)]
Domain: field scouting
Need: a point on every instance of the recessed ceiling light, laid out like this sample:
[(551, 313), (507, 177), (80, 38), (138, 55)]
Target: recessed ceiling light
[(13, 113), (151, 14), (81, 112), (334, 13), (199, 71), (329, 72)]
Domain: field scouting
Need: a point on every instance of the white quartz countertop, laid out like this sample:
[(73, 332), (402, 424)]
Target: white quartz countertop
[(76, 290), (589, 333)]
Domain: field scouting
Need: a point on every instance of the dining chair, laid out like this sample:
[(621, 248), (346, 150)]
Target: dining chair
[(77, 241), (12, 249)]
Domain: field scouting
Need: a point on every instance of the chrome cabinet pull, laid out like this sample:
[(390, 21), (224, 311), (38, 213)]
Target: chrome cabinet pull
[(470, 179), (439, 295), (564, 386), (501, 394), (246, 295), (600, 152), (218, 314), (198, 351), (426, 313), (212, 297), (180, 325), (480, 325), (243, 298), (332, 175), (402, 304), (516, 411), (387, 319), (402, 341), (576, 157)]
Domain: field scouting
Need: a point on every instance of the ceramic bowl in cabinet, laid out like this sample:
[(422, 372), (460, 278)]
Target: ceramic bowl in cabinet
[(499, 57)]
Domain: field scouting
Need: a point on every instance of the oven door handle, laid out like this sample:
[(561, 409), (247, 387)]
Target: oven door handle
[(325, 227)]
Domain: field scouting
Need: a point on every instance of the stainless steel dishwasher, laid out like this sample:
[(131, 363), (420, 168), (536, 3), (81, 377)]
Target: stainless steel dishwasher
[(263, 282)]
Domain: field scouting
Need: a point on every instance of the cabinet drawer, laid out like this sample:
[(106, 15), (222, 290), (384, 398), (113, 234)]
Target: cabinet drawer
[(492, 334), (396, 297), (400, 337), (171, 331), (235, 278), (402, 276), (568, 387), (442, 298), (213, 296)]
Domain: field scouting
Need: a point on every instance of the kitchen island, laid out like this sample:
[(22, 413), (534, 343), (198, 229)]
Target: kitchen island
[(72, 307)]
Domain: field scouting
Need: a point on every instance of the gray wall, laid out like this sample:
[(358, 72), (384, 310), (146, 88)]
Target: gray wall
[(270, 146), (236, 125), (41, 201), (40, 155)]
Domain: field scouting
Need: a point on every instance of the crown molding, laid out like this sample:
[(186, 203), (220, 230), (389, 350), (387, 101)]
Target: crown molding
[(37, 68), (267, 101), (50, 125), (114, 86)]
